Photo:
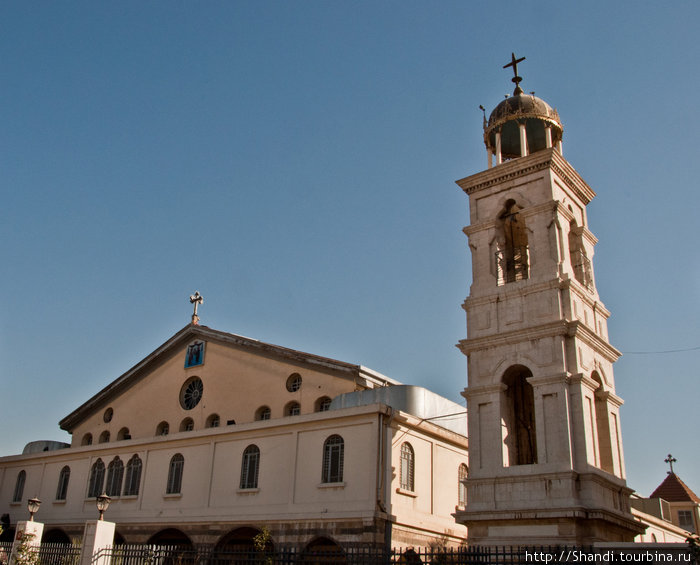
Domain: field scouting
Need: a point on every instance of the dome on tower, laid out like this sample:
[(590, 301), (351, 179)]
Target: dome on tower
[(522, 109)]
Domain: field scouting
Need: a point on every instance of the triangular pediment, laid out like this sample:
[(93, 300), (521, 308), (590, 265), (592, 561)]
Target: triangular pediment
[(235, 376)]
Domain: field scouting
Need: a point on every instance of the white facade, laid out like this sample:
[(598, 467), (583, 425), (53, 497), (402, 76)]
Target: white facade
[(326, 472)]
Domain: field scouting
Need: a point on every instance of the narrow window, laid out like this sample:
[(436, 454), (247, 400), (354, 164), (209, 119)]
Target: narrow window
[(62, 488), (249, 467), (177, 464), (19, 486), (685, 520), (518, 406), (133, 476), (333, 455), (115, 475), (461, 486), (407, 466), (97, 477), (512, 257)]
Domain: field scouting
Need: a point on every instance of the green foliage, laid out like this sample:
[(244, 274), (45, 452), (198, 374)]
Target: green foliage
[(26, 553), (262, 543)]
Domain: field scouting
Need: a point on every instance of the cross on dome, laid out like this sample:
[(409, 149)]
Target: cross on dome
[(516, 79)]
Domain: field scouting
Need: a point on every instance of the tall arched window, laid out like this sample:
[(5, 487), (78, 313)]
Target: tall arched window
[(133, 476), (97, 478), (115, 475), (333, 456), (407, 467), (249, 467), (461, 487), (19, 486), (580, 263), (512, 257), (600, 420), (62, 488), (177, 465), (518, 415)]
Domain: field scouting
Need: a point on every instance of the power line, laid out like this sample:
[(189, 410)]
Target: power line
[(661, 352)]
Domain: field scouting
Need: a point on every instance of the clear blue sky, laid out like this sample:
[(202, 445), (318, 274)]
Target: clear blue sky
[(295, 163)]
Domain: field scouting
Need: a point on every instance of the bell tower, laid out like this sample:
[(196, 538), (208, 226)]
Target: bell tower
[(545, 448)]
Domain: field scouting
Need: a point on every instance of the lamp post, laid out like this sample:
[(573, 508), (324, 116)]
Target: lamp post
[(33, 507), (102, 504)]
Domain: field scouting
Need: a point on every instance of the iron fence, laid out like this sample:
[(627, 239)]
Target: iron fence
[(57, 553)]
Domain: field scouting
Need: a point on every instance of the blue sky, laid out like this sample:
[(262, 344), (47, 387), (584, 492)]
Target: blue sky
[(295, 163)]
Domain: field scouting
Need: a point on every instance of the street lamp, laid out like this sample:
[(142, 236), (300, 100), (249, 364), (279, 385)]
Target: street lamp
[(102, 504), (33, 507)]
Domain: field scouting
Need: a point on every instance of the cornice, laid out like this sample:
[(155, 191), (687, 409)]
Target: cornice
[(579, 330), (559, 327), (547, 159)]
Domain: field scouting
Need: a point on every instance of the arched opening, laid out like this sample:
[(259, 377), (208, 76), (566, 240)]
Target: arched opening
[(322, 550), (292, 409), (173, 537), (87, 440), (163, 429), (119, 539), (263, 413), (104, 437), (601, 422), (518, 418), (187, 425), (323, 404), (123, 434), (55, 535), (213, 421), (238, 546), (512, 256)]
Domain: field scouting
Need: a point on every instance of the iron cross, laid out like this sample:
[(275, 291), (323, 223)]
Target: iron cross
[(514, 63), (196, 299), (670, 460)]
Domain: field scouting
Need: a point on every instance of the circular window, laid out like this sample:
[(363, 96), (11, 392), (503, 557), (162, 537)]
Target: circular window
[(107, 417), (191, 393), (294, 382)]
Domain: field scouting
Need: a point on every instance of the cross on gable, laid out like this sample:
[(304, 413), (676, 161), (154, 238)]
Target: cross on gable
[(670, 460), (196, 299)]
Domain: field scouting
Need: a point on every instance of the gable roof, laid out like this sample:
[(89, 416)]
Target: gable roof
[(365, 376), (673, 489)]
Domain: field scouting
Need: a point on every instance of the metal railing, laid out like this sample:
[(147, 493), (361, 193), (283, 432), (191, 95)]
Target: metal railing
[(512, 265)]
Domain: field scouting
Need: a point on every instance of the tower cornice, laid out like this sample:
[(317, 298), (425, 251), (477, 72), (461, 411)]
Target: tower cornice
[(539, 161)]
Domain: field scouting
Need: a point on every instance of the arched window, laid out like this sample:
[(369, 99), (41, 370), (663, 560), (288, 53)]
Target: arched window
[(601, 422), (115, 475), (323, 404), (213, 421), (62, 488), (292, 409), (104, 437), (97, 478), (512, 255), (263, 413), (333, 456), (187, 425), (249, 467), (133, 476), (19, 486), (177, 465), (87, 440), (461, 486), (518, 415), (163, 429), (407, 467), (123, 434)]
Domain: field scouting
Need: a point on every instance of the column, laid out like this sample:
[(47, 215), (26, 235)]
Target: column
[(523, 140), (548, 136), (499, 160)]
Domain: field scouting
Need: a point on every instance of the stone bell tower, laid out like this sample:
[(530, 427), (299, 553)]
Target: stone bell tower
[(545, 449)]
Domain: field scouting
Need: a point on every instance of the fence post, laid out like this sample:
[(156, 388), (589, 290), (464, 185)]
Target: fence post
[(27, 535), (98, 537)]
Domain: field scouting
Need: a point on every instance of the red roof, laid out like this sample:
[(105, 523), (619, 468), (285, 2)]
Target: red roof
[(675, 490)]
